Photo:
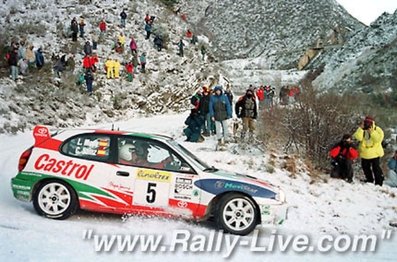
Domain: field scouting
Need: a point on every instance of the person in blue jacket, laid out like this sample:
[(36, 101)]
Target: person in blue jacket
[(39, 59), (220, 111), (392, 173)]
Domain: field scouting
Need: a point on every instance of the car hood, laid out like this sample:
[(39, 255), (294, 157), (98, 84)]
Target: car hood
[(221, 181)]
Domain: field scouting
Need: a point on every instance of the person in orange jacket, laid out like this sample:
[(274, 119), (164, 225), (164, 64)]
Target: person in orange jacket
[(343, 154)]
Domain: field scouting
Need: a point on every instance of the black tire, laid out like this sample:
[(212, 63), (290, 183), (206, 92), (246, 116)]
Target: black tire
[(240, 220), (55, 199)]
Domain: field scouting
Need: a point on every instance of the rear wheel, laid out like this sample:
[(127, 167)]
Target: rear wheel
[(236, 214), (55, 199)]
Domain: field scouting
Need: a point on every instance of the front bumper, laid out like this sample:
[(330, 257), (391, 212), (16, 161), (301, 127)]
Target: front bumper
[(273, 214)]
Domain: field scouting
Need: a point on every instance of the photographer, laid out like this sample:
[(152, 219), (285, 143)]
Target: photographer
[(343, 155), (370, 148)]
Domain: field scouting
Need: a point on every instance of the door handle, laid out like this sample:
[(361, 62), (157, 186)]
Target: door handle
[(122, 173)]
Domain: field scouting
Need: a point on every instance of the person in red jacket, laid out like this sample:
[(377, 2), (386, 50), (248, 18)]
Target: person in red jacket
[(102, 28), (87, 63), (343, 154), (129, 67)]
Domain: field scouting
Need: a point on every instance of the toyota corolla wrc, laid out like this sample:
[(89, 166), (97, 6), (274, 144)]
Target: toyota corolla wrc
[(136, 173)]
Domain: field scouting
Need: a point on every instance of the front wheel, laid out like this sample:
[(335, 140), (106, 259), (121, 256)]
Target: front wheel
[(236, 214), (55, 199)]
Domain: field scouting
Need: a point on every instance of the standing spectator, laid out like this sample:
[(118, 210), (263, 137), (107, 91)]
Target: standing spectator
[(30, 56), (129, 68), (370, 137), (135, 62), (142, 59), (39, 58), (102, 28), (87, 63), (133, 45), (193, 129), (94, 60), (269, 94), (148, 29), (87, 48), (203, 51), (89, 79), (116, 66), (343, 154), (109, 65), (158, 42), (392, 173), (180, 47), (229, 94), (204, 110), (95, 41), (22, 50), (123, 16), (260, 94), (220, 111), (246, 109), (121, 39), (81, 26), (74, 26), (13, 63)]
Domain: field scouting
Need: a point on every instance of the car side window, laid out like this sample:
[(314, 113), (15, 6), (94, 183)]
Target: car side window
[(149, 154), (92, 147)]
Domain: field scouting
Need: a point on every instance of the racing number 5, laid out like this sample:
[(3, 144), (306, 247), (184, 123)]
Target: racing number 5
[(151, 193)]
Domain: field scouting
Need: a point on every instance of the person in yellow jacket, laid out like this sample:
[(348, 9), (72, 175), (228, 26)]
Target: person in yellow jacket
[(370, 148), (109, 68), (121, 39), (116, 66)]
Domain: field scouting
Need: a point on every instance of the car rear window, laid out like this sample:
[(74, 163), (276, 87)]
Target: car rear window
[(93, 147)]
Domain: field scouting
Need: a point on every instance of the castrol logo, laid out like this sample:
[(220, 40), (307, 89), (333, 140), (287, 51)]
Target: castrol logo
[(62, 167)]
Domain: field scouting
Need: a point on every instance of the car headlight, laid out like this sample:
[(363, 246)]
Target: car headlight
[(280, 196)]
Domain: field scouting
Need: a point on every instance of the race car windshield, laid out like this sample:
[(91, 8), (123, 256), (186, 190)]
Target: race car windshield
[(201, 164)]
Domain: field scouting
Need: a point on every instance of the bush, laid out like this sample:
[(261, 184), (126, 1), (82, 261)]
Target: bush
[(314, 123)]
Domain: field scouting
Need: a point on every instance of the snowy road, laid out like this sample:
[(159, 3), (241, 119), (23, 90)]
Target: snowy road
[(318, 208)]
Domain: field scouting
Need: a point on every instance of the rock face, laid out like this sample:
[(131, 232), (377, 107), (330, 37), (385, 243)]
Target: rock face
[(367, 62), (279, 30)]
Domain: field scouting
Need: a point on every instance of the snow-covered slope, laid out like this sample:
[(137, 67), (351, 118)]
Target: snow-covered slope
[(277, 30), (42, 98), (367, 62), (318, 206)]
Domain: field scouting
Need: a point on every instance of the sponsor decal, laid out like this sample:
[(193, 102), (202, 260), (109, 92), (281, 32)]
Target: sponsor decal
[(40, 134), (183, 188), (153, 175), (182, 204), (265, 210), (62, 167), (218, 186), (119, 186), (183, 197)]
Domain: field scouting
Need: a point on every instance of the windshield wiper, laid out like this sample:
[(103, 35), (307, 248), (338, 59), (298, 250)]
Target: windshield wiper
[(210, 169)]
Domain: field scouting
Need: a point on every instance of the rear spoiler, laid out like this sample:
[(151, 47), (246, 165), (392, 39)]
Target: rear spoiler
[(43, 133)]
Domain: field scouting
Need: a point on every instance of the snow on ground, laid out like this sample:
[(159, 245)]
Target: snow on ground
[(333, 207)]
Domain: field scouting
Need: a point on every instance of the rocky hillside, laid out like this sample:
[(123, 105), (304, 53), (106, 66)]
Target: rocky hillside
[(367, 62), (42, 98), (277, 30)]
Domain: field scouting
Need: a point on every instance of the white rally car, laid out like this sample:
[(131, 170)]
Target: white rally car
[(136, 173)]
